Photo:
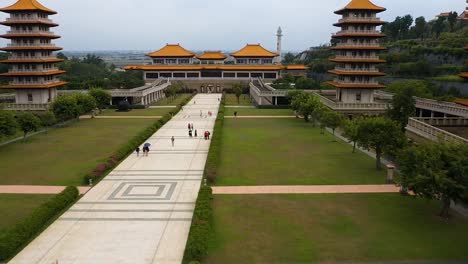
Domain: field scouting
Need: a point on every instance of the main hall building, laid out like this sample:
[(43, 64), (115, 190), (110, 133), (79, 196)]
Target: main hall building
[(214, 71)]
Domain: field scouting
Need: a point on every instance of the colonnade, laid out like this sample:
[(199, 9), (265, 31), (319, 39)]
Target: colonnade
[(152, 97)]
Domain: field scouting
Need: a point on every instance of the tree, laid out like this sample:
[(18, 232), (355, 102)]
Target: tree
[(65, 107), (28, 122), (85, 103), (420, 27), (8, 124), (332, 119), (452, 20), (436, 171), (62, 56), (351, 129), (381, 134), (237, 89), (438, 26), (403, 106), (304, 104), (47, 119), (289, 58), (101, 97)]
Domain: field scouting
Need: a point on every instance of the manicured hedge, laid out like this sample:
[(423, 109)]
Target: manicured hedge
[(201, 229), (129, 147), (14, 239), (215, 148)]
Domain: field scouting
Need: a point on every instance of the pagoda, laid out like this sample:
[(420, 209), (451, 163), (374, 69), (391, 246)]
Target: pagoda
[(33, 72), (357, 52)]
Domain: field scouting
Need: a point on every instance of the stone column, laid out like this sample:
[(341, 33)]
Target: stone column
[(432, 114)]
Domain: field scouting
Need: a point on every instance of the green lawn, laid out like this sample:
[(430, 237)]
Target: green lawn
[(65, 155), (172, 101), (15, 207), (231, 99), (258, 112), (289, 152), (138, 112), (332, 229)]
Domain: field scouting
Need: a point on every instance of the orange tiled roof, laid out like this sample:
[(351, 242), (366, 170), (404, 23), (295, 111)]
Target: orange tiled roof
[(212, 55), (45, 73), (297, 67), (254, 50), (200, 67), (27, 5), (356, 86), (361, 5), (22, 22), (172, 50), (376, 47), (29, 35), (38, 86), (31, 60), (466, 47), (461, 101), (464, 75), (338, 72)]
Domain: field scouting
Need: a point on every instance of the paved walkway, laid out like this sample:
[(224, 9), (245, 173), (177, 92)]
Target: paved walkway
[(142, 211), (35, 189), (162, 106), (305, 189)]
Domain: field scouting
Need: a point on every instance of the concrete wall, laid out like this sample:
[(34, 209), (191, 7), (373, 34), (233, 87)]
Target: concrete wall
[(214, 83), (39, 96), (349, 95)]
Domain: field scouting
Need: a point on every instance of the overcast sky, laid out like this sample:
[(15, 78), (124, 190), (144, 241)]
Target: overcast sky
[(209, 24)]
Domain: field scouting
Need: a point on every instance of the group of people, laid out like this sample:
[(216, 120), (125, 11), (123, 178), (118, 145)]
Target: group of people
[(146, 150), (192, 131)]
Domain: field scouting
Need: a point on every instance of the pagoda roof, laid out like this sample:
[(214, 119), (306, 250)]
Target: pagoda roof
[(34, 86), (171, 50), (212, 55), (27, 5), (356, 85), (254, 50), (361, 5), (461, 101)]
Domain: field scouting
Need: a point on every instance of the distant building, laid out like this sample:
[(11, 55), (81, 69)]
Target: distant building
[(212, 71), (357, 52), (34, 73)]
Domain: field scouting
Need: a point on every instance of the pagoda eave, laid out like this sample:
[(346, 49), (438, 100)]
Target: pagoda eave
[(13, 48), (362, 60), (360, 73), (34, 86), (350, 35), (358, 22), (44, 73), (31, 22), (32, 61), (464, 75), (34, 35), (358, 48), (356, 86), (376, 10)]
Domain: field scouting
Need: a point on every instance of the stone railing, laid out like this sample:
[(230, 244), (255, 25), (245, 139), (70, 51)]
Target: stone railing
[(441, 121), (32, 18), (357, 69), (346, 44), (356, 57), (352, 106), (432, 133), (30, 58), (31, 45), (343, 32), (442, 107), (30, 32), (25, 107)]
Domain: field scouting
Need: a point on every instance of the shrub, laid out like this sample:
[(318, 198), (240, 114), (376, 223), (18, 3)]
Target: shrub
[(123, 106), (65, 107), (201, 229), (215, 147), (12, 240), (99, 169), (8, 124), (28, 122)]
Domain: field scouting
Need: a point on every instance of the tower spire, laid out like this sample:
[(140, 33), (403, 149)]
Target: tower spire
[(279, 35)]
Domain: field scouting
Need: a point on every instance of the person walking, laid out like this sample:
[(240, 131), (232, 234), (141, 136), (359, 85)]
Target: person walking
[(235, 114), (137, 150), (146, 149), (191, 127), (209, 134), (172, 139), (196, 134), (201, 113), (190, 133), (188, 126)]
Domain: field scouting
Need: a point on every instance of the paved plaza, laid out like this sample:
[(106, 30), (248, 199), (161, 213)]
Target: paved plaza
[(142, 211)]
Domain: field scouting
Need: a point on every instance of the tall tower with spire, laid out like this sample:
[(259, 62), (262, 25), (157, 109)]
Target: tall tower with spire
[(357, 52), (33, 72), (279, 35)]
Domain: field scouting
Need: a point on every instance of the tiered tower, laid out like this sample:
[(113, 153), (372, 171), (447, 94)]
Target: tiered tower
[(33, 69), (357, 52)]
